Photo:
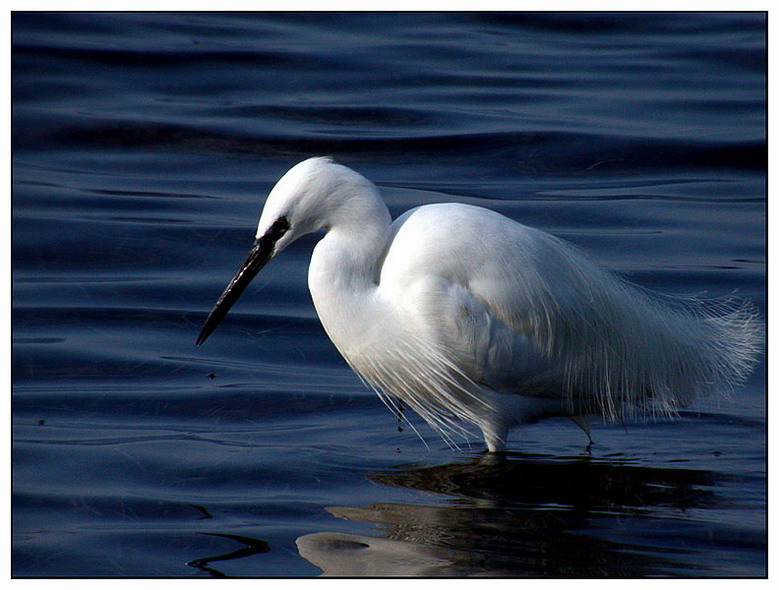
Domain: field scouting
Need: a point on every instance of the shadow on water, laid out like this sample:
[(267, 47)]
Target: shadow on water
[(522, 515), (251, 546)]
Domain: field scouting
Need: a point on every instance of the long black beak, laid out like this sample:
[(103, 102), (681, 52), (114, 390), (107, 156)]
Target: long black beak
[(261, 253)]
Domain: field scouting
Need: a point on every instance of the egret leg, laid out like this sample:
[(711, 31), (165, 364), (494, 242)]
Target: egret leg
[(582, 422), (495, 436)]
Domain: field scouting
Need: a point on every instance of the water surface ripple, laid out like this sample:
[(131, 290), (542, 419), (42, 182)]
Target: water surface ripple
[(143, 147)]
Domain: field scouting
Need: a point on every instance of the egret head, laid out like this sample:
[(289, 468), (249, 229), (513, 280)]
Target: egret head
[(313, 195)]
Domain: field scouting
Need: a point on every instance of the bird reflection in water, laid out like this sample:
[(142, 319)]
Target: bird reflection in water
[(521, 515)]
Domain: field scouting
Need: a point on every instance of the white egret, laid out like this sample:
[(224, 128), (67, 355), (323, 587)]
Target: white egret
[(464, 314)]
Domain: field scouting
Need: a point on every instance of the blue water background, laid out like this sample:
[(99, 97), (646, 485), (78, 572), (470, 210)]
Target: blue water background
[(143, 148)]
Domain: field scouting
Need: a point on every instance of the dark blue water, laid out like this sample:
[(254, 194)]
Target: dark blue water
[(143, 148)]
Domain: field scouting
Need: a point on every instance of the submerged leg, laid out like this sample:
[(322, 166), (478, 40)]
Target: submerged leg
[(495, 436), (583, 422)]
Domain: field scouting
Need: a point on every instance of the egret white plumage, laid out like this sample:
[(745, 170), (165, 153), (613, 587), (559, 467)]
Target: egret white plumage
[(466, 315)]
